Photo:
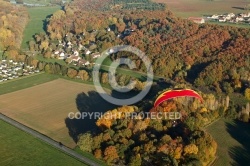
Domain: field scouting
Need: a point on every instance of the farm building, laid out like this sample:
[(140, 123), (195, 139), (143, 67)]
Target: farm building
[(198, 20)]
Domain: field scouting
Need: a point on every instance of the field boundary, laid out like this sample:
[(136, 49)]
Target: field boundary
[(48, 140)]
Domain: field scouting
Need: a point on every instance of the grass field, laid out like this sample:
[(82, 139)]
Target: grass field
[(45, 107), (20, 148), (187, 8), (36, 22), (25, 82), (233, 142)]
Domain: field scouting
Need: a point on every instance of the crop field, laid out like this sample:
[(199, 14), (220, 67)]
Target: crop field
[(232, 138), (36, 22), (20, 148), (45, 108), (187, 8)]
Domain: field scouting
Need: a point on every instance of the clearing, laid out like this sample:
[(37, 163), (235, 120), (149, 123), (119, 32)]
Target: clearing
[(36, 23)]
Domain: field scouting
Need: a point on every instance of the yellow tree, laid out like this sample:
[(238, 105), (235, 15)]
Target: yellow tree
[(110, 154), (191, 149), (83, 75), (247, 93)]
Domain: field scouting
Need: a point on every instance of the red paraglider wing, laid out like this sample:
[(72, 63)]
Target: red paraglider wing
[(176, 93)]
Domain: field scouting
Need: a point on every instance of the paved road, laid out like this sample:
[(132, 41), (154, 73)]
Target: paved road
[(48, 140)]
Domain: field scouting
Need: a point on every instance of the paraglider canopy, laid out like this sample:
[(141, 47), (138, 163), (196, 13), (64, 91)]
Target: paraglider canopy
[(176, 93)]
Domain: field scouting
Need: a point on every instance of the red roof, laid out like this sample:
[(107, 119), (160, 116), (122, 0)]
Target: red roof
[(195, 18)]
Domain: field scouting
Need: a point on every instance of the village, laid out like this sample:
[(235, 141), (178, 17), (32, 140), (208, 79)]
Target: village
[(73, 52), (10, 69), (230, 17), (73, 56), (69, 49)]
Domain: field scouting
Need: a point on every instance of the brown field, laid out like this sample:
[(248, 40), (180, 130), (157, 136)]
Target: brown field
[(187, 8), (45, 107)]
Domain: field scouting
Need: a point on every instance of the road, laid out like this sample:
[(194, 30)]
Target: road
[(48, 140), (132, 72)]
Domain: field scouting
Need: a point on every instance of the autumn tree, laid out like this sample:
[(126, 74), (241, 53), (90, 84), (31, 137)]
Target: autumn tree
[(190, 149), (247, 93), (72, 73), (83, 75), (110, 154), (85, 142)]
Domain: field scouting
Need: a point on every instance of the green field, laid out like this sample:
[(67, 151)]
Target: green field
[(36, 24), (20, 148), (25, 82), (230, 24), (233, 142)]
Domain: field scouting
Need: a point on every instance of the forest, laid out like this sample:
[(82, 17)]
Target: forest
[(211, 56), (13, 20), (122, 140)]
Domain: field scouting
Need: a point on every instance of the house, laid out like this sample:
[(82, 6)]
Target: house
[(229, 16), (17, 68), (4, 71), (111, 51), (245, 15), (132, 30), (222, 19), (87, 52), (62, 56), (118, 36), (198, 20), (69, 43), (215, 16), (95, 55), (76, 53), (56, 52), (239, 18), (75, 58), (80, 47), (83, 62)]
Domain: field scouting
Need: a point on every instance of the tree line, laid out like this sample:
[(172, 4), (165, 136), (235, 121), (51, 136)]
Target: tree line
[(13, 20)]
